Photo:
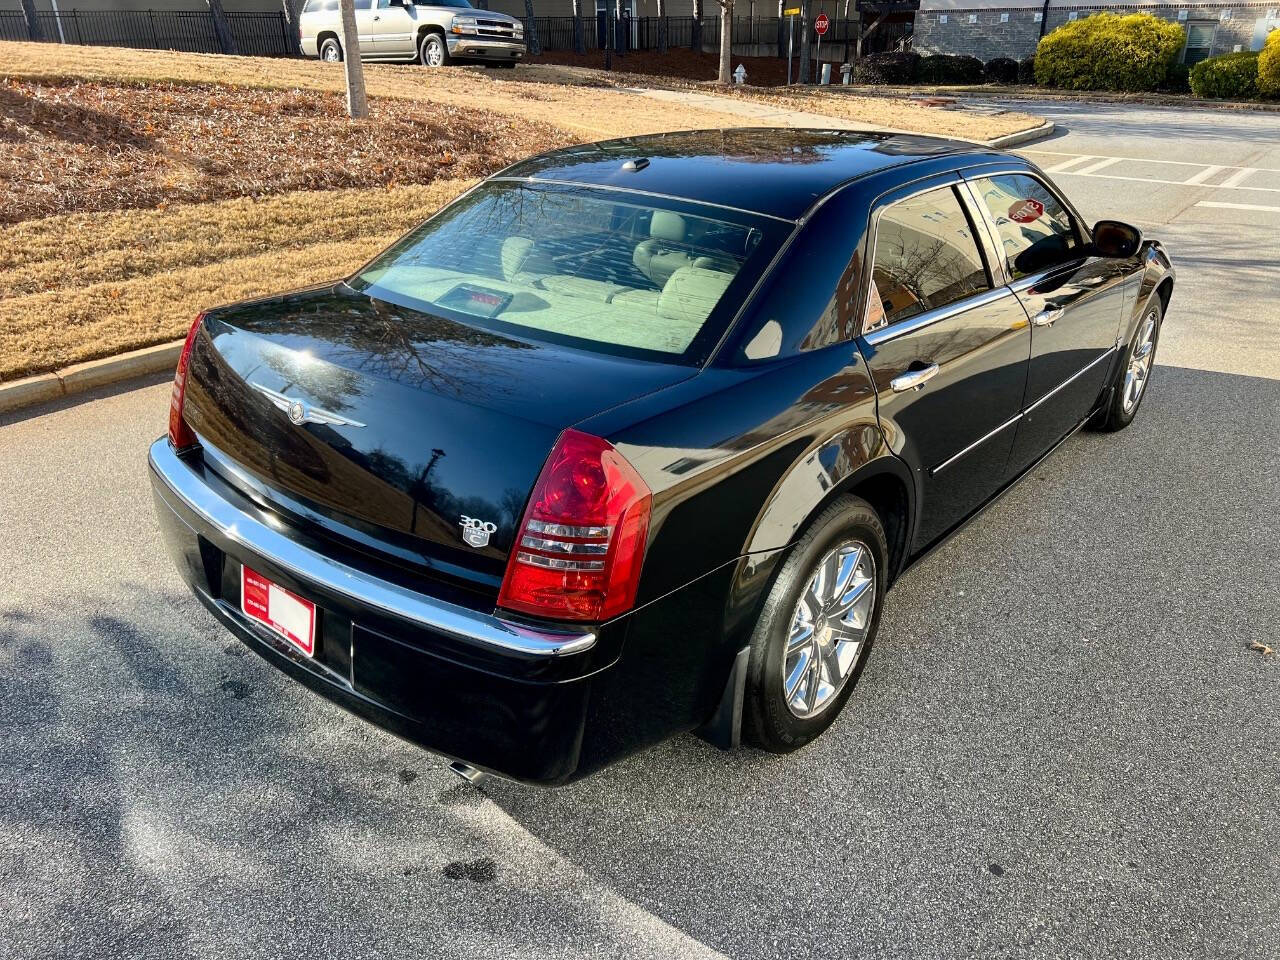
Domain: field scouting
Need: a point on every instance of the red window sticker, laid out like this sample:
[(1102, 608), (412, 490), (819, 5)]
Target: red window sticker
[(1026, 211)]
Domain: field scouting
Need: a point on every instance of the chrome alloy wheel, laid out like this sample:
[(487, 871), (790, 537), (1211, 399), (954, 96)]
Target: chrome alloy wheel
[(1135, 378), (331, 53), (433, 52), (829, 629)]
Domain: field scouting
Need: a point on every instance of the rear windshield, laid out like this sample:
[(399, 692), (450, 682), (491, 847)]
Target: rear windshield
[(600, 269)]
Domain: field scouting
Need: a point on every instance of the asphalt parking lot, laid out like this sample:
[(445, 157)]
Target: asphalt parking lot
[(1062, 746)]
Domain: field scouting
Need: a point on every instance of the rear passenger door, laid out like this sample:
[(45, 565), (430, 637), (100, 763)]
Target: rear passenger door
[(1074, 301), (947, 344)]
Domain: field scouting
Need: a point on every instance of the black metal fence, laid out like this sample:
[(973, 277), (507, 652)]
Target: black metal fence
[(191, 31), (270, 34)]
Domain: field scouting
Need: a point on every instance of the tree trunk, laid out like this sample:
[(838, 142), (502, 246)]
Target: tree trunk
[(531, 45), (662, 26), (357, 101), (291, 18), (32, 21), (221, 29), (579, 39), (726, 40), (695, 35), (806, 28), (782, 32)]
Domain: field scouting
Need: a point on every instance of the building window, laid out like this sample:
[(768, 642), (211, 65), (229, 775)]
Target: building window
[(1182, 14), (973, 18), (1073, 15), (1004, 18), (942, 18), (1039, 17), (1199, 43)]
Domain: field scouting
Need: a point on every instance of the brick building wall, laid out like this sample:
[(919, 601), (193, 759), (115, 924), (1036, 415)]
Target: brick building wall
[(1014, 32)]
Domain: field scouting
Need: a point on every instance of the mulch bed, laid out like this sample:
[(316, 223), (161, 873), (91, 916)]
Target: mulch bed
[(78, 146)]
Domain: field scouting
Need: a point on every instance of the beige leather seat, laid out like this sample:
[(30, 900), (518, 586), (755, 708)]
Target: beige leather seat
[(664, 252), (522, 262)]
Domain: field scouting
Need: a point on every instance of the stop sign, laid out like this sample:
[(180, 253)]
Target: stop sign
[(821, 24)]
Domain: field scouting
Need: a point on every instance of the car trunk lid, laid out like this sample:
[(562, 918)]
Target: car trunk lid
[(402, 432)]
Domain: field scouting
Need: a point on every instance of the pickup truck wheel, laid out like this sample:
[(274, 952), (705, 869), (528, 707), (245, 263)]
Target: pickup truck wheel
[(331, 51), (818, 623), (433, 51)]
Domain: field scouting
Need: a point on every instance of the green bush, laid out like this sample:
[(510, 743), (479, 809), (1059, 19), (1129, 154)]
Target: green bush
[(887, 68), (947, 68), (1269, 66), (1232, 76), (1027, 70), (1001, 70), (1109, 52)]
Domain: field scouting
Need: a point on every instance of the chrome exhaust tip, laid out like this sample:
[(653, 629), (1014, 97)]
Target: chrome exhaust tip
[(468, 772)]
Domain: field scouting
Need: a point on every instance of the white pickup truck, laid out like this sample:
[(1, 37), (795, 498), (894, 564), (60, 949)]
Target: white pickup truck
[(434, 34)]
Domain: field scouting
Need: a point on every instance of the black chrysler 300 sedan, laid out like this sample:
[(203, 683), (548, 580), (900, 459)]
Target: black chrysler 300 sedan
[(632, 438)]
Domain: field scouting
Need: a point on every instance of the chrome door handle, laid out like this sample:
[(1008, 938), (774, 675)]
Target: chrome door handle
[(1045, 318), (914, 379)]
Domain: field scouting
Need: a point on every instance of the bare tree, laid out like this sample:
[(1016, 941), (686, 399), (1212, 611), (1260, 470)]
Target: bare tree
[(662, 26), (291, 18), (579, 40), (221, 29), (695, 35), (357, 100), (32, 21), (726, 40), (531, 30), (806, 28)]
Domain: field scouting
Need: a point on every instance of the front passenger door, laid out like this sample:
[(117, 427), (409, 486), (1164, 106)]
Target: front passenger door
[(393, 29), (1075, 304), (947, 346)]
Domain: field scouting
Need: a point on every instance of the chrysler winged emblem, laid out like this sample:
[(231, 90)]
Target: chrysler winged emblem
[(300, 412)]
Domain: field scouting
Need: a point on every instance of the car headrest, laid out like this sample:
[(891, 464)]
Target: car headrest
[(666, 225), (691, 293)]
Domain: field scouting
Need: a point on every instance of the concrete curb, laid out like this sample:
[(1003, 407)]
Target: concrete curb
[(82, 377), (1022, 136)]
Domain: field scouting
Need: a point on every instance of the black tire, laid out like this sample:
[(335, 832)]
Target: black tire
[(767, 720), (1115, 416), (331, 44), (425, 45)]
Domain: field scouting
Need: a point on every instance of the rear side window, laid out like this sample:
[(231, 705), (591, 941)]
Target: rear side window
[(597, 269), (1036, 231), (925, 257)]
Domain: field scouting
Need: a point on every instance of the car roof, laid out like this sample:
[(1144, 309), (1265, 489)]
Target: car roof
[(774, 171)]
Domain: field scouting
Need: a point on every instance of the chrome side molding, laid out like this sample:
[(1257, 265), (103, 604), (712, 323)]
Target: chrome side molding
[(175, 480)]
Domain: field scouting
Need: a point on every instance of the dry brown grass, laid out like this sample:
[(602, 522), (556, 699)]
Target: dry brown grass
[(82, 285), (590, 113), (90, 285)]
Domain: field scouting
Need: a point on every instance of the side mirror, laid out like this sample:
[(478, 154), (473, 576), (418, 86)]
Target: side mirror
[(1116, 240)]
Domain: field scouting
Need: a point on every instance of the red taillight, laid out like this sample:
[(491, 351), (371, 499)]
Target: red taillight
[(581, 542), (180, 435)]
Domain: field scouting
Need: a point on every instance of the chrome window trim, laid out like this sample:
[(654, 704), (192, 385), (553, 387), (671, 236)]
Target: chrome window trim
[(638, 193), (934, 471), (910, 324), (1079, 373), (184, 484), (930, 317)]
